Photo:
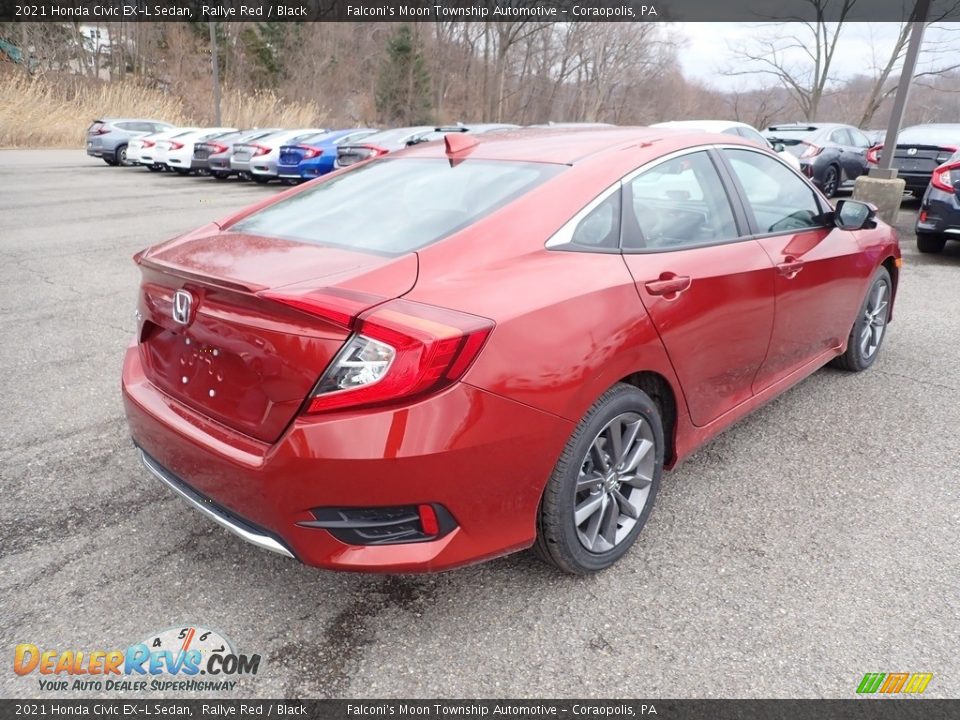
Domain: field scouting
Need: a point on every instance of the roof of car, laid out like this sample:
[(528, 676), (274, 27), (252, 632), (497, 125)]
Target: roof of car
[(564, 146), (706, 125)]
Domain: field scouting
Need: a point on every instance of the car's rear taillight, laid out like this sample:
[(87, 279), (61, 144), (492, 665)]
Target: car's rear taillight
[(259, 150), (873, 154), (147, 144), (101, 131), (398, 349), (941, 177), (310, 152), (812, 151), (174, 145), (216, 148)]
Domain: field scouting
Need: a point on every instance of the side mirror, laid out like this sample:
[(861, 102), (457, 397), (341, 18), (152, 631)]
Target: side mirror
[(854, 215), (779, 147)]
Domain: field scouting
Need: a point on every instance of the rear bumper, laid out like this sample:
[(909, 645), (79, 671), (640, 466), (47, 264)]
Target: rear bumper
[(484, 458), (264, 167), (239, 165), (939, 214)]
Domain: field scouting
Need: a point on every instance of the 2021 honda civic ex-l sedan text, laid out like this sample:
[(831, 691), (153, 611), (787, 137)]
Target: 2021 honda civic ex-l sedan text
[(491, 342)]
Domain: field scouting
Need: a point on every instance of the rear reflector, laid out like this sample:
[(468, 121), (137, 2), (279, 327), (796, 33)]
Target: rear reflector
[(428, 520)]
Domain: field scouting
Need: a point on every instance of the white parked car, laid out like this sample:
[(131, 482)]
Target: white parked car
[(153, 155), (177, 153), (260, 158), (732, 127)]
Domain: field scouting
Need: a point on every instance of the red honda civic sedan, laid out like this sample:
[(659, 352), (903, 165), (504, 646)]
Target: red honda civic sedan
[(489, 343)]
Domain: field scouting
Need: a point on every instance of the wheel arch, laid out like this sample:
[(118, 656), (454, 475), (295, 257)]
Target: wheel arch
[(890, 263), (661, 392)]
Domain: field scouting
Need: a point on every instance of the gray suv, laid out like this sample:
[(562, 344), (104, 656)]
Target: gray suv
[(108, 138)]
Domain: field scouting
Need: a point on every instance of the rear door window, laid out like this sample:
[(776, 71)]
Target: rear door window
[(393, 206), (678, 203)]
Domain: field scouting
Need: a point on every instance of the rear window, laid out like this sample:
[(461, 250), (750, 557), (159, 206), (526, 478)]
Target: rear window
[(97, 124), (393, 206), (393, 137), (942, 136)]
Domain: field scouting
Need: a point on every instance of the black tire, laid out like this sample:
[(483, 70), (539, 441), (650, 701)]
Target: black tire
[(154, 168), (220, 175), (260, 179), (181, 171), (927, 243), (121, 155), (831, 181), (856, 358), (110, 161), (558, 542)]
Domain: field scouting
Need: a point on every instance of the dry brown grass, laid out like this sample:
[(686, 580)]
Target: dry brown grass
[(38, 112)]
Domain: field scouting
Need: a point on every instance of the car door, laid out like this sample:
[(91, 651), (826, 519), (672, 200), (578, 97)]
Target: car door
[(708, 289), (858, 150), (852, 158), (819, 268)]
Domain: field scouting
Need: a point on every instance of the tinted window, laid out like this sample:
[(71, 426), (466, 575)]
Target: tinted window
[(393, 206), (678, 203), (779, 198), (354, 137), (601, 227)]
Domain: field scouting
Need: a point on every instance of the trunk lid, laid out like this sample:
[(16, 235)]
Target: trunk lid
[(920, 158), (240, 358)]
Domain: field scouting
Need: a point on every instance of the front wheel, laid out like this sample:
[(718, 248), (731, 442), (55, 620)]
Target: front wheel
[(121, 155), (868, 331), (603, 487)]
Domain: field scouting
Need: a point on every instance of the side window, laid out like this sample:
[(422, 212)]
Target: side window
[(780, 199), (753, 136), (601, 226), (859, 139), (841, 137), (679, 203)]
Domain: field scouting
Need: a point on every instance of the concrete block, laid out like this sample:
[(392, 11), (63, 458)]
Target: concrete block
[(885, 193)]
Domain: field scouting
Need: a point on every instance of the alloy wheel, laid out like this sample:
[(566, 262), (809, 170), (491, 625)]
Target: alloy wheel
[(830, 182), (614, 482), (874, 319)]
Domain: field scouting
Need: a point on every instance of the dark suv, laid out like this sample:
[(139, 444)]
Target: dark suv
[(833, 156)]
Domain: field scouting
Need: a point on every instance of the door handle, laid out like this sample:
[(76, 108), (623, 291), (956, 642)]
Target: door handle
[(668, 284), (790, 267)]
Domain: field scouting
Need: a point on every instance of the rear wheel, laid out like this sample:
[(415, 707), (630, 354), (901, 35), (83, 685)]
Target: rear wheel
[(110, 161), (182, 171), (261, 179), (154, 168), (868, 331), (930, 243), (831, 181), (603, 487), (220, 175)]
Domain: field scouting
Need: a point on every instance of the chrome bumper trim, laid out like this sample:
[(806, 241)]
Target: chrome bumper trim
[(209, 509)]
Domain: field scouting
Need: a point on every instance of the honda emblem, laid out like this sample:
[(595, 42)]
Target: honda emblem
[(911, 151), (182, 302)]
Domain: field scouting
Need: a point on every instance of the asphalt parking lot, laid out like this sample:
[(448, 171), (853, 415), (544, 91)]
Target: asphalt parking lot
[(813, 542)]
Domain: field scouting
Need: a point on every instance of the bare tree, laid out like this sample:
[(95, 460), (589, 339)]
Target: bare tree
[(799, 55)]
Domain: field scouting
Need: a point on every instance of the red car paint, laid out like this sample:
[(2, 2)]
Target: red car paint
[(756, 316)]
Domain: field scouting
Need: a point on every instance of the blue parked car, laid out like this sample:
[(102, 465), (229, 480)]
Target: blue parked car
[(310, 156)]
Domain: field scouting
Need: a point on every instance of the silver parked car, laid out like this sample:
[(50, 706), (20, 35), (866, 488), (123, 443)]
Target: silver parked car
[(258, 159), (107, 139)]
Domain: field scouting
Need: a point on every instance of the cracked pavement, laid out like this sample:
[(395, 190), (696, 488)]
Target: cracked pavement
[(811, 543)]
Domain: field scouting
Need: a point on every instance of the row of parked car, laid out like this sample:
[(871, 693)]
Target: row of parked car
[(262, 154), (831, 155)]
